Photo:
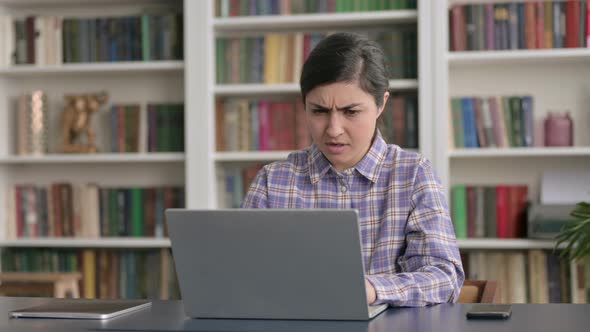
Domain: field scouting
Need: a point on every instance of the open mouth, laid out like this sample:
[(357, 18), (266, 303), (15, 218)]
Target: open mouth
[(335, 147)]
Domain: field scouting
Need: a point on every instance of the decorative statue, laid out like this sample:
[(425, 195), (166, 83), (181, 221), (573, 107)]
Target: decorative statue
[(75, 121)]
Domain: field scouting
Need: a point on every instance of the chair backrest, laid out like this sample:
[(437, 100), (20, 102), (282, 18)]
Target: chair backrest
[(479, 291)]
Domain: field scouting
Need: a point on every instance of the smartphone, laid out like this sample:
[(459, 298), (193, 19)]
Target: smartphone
[(489, 311)]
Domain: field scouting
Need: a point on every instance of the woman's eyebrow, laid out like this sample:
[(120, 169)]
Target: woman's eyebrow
[(349, 106), (318, 106)]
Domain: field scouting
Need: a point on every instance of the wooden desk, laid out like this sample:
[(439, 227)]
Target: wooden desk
[(169, 316)]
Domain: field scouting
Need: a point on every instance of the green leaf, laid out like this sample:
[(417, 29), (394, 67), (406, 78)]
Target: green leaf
[(576, 234)]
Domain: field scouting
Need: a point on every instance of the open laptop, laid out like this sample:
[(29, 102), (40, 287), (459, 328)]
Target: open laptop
[(270, 264)]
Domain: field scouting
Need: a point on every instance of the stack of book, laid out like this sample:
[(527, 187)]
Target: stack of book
[(67, 210)]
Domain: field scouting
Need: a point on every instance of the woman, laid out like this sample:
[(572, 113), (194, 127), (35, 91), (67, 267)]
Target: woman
[(409, 247)]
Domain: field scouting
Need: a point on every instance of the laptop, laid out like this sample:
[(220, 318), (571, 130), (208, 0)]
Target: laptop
[(270, 264), (81, 309)]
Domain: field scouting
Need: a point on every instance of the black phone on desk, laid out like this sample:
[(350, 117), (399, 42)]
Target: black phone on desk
[(489, 311)]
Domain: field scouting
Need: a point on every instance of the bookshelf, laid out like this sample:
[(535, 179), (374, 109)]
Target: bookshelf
[(509, 72), (214, 27), (126, 82), (557, 81)]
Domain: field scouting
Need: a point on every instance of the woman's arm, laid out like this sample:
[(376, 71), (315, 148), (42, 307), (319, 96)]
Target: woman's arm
[(256, 197), (431, 265)]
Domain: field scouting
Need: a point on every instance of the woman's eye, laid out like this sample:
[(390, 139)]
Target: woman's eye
[(351, 112)]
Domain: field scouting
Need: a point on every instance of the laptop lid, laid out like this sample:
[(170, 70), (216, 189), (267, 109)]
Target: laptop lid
[(269, 264)]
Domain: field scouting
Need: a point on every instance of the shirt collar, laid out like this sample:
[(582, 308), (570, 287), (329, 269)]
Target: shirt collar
[(369, 166)]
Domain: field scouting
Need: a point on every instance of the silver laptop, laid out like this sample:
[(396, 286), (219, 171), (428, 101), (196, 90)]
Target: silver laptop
[(270, 264), (81, 309)]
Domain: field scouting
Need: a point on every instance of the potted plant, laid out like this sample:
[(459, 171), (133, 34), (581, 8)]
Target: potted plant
[(576, 234)]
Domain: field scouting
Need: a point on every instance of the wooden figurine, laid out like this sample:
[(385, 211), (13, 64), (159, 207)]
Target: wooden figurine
[(75, 121)]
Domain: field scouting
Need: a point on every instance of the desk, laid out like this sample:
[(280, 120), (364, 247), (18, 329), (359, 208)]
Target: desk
[(169, 316)]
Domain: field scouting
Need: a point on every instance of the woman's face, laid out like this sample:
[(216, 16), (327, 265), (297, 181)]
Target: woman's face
[(341, 118)]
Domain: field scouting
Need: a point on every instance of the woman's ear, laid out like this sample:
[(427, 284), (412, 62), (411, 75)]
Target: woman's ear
[(385, 97)]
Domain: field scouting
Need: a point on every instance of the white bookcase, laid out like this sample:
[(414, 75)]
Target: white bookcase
[(125, 82), (558, 81), (556, 78)]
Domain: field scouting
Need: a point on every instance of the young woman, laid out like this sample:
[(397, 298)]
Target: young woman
[(409, 247)]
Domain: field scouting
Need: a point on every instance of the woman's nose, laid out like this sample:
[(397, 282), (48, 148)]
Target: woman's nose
[(335, 128)]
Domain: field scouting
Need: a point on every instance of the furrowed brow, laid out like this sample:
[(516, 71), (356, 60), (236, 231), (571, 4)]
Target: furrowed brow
[(347, 107), (343, 108)]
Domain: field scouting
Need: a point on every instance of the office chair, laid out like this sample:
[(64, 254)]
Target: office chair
[(479, 291)]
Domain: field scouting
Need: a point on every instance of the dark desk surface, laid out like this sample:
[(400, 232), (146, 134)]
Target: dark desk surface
[(169, 316)]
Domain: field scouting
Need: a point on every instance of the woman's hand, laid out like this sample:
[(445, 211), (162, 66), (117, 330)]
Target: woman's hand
[(371, 294)]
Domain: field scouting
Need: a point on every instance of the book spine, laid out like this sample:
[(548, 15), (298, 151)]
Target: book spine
[(528, 121), (459, 199), (502, 211)]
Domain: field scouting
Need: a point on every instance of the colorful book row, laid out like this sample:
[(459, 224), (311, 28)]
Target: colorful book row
[(158, 128), (278, 57), (106, 274), (67, 210), (489, 211), (520, 25), (50, 40), (260, 125), (231, 8), (480, 122)]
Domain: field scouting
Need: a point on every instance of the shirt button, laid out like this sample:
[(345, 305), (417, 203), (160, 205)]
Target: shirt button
[(343, 189)]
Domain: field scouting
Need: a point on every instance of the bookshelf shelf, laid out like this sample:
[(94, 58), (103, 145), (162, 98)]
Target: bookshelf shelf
[(518, 56), (96, 158), (291, 88), (104, 242), (250, 156), (505, 244), (403, 84), (521, 152), (255, 89), (247, 156), (308, 21), (28, 3), (102, 67)]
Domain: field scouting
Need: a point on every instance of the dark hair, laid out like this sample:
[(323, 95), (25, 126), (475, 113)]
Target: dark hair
[(345, 57)]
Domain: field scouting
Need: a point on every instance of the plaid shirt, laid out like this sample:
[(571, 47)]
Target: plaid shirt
[(409, 247)]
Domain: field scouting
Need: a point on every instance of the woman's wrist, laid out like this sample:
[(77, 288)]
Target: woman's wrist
[(371, 292)]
